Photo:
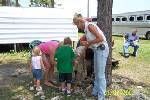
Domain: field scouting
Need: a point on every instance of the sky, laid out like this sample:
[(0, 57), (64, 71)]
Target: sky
[(119, 6)]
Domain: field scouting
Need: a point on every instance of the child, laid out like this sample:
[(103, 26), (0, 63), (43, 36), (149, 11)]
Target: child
[(85, 58), (64, 56), (48, 50), (79, 67), (36, 66)]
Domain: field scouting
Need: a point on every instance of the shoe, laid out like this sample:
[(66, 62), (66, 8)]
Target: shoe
[(39, 88), (68, 93), (31, 88), (42, 97), (133, 54), (63, 90), (126, 55)]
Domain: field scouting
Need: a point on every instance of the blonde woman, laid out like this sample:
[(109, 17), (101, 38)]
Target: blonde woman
[(95, 40)]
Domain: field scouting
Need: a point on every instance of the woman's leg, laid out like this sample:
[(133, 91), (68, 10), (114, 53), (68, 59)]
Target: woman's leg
[(51, 73), (100, 73), (95, 88), (47, 72)]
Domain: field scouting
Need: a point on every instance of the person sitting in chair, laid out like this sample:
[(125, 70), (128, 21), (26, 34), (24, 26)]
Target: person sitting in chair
[(131, 39)]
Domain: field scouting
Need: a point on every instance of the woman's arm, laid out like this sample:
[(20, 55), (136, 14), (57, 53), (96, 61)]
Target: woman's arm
[(51, 54)]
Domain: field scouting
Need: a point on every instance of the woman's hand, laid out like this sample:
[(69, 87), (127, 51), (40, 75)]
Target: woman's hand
[(85, 43), (75, 63), (44, 69), (52, 61)]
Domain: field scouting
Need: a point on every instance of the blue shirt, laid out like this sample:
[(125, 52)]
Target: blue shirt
[(131, 37)]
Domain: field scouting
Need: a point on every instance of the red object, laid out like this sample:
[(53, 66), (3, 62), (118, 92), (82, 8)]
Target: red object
[(88, 19), (83, 38)]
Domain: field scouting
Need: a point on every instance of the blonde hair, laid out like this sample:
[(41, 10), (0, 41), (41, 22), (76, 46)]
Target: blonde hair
[(77, 17), (36, 51), (67, 40)]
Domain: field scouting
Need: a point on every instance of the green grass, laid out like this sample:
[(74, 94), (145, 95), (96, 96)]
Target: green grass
[(13, 56), (137, 68)]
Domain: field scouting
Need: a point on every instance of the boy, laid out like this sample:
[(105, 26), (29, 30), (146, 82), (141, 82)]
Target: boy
[(64, 56)]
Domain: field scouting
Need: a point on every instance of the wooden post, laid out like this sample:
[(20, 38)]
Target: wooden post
[(15, 47)]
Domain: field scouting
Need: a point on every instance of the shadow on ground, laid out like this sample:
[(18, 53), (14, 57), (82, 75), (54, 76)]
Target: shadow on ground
[(15, 81)]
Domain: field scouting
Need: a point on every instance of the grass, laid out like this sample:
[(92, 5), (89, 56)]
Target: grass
[(137, 68), (13, 56)]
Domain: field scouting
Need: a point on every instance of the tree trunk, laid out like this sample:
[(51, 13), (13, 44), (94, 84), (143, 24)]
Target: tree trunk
[(3, 2), (17, 3), (104, 21)]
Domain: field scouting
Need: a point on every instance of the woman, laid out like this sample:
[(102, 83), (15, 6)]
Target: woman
[(96, 40), (48, 51)]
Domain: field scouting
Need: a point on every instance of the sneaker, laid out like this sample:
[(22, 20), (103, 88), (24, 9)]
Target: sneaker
[(68, 93), (134, 54), (31, 88), (126, 55), (39, 88), (63, 90), (42, 97)]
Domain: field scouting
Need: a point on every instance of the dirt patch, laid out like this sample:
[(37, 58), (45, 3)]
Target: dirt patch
[(9, 71), (16, 78)]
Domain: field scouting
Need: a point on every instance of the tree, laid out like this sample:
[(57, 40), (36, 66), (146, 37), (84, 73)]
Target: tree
[(10, 3), (104, 21), (6, 2), (3, 2), (43, 3), (17, 3)]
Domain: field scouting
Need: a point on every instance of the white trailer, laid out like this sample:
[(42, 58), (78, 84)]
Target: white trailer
[(126, 22), (22, 25)]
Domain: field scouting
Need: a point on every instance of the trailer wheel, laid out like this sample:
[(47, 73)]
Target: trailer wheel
[(148, 35)]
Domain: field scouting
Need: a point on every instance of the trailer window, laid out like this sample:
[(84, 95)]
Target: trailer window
[(112, 19), (148, 17), (140, 18), (131, 18), (117, 19), (124, 19), (94, 19)]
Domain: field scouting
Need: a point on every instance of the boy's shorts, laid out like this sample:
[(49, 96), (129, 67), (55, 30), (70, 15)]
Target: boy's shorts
[(37, 74), (65, 77)]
